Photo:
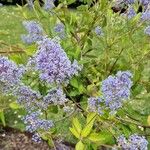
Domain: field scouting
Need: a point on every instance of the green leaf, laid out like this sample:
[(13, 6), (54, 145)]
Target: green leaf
[(76, 124), (96, 137), (91, 116), (14, 105), (74, 82), (88, 128), (75, 133), (80, 146), (2, 117)]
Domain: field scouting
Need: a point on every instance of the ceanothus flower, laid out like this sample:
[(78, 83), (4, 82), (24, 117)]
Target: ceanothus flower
[(60, 30), (146, 16), (129, 1), (52, 62), (147, 30), (98, 31), (49, 4), (36, 138), (35, 32), (134, 142), (131, 13), (27, 97), (116, 89), (94, 105), (10, 75), (59, 27), (34, 123), (55, 96), (145, 2)]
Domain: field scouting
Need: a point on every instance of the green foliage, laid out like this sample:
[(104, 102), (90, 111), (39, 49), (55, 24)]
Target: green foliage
[(122, 47)]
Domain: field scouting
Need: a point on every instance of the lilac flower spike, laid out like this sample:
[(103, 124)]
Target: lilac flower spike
[(98, 31), (35, 32), (147, 30), (146, 16), (116, 89), (55, 96), (27, 97), (134, 142), (52, 62), (10, 75), (34, 123), (49, 4), (60, 30), (131, 13)]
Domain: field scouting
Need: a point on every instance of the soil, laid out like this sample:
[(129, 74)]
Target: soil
[(11, 139)]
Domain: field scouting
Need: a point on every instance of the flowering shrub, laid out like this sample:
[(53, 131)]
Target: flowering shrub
[(87, 67)]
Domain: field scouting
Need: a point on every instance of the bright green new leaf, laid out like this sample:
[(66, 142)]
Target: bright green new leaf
[(90, 121), (80, 146), (75, 133), (76, 125), (95, 137), (14, 105)]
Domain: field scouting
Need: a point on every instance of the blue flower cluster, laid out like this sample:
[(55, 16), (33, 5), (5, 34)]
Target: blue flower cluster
[(34, 123), (131, 12), (35, 32), (115, 90), (36, 138), (98, 31), (94, 105), (55, 96), (129, 1), (52, 62), (146, 16), (134, 142), (27, 97), (10, 75), (49, 4), (145, 2), (60, 30), (147, 30)]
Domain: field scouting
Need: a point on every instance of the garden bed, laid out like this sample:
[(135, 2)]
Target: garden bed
[(13, 139)]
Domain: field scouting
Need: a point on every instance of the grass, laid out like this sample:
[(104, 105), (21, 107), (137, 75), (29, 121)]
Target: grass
[(10, 25)]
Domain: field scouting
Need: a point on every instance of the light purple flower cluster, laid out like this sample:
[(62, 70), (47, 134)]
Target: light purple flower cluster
[(129, 1), (146, 16), (52, 62), (55, 96), (94, 105), (35, 32), (60, 30), (49, 4), (98, 31), (27, 97), (10, 75), (36, 138), (34, 123), (147, 30), (134, 142), (145, 2), (116, 89), (131, 12)]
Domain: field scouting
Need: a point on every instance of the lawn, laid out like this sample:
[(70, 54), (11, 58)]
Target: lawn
[(10, 25)]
